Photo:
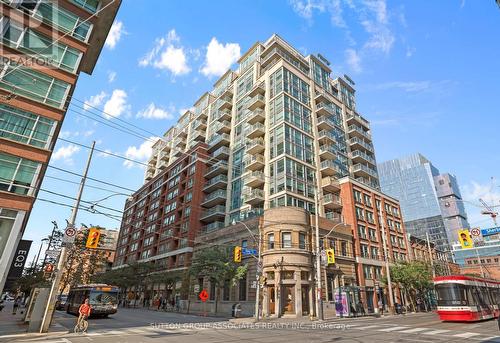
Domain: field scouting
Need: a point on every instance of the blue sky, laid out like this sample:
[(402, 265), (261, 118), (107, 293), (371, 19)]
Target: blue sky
[(426, 75)]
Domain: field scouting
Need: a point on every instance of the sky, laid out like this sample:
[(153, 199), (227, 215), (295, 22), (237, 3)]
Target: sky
[(426, 76)]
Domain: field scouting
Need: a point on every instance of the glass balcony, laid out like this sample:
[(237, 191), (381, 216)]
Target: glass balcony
[(222, 153), (215, 198), (199, 136), (359, 156), (225, 103), (256, 130), (362, 170), (254, 197), (212, 226), (353, 118), (255, 146), (149, 175), (259, 88), (163, 156), (254, 179), (216, 169), (356, 142), (255, 116), (222, 127), (325, 123), (258, 101), (327, 151), (330, 184), (357, 131), (329, 168), (324, 109), (254, 162), (217, 141), (218, 182), (223, 115), (334, 216), (332, 201), (215, 213), (326, 137), (200, 124)]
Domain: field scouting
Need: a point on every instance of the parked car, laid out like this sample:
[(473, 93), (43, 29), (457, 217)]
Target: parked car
[(61, 302)]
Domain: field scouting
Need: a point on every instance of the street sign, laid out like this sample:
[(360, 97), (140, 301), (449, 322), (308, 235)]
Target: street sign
[(475, 231), (196, 289), (247, 251), (49, 268), (52, 253), (260, 266), (323, 257), (203, 295), (490, 231), (69, 235), (253, 284)]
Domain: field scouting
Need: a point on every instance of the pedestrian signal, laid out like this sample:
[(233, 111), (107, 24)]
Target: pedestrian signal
[(465, 239), (237, 254), (93, 238), (330, 256)]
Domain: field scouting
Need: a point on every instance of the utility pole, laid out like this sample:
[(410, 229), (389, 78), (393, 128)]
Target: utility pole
[(430, 254), (386, 255), (50, 241), (259, 265), (319, 298), (49, 309), (480, 264)]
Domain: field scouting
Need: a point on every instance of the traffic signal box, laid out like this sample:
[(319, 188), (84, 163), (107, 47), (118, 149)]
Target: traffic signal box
[(93, 238), (465, 239), (237, 254), (330, 256)]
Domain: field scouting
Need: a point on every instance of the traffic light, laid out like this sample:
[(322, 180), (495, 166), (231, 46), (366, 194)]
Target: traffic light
[(237, 254), (465, 239), (330, 256), (93, 238)]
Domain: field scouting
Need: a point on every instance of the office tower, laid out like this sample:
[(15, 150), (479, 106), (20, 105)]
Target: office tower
[(431, 202), (44, 47)]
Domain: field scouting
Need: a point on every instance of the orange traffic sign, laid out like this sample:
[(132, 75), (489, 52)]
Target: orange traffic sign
[(203, 295)]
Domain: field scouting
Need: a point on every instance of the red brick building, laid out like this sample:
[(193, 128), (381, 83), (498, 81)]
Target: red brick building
[(489, 266), (363, 209)]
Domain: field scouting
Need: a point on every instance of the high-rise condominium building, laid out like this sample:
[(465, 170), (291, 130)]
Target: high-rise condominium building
[(44, 46), (431, 202), (279, 130)]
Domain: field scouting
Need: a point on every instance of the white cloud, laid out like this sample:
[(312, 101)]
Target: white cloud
[(105, 153), (88, 133), (111, 76), (141, 153), (116, 105), (379, 8), (353, 60), (381, 37), (115, 34), (220, 57), (474, 191), (410, 51), (65, 152), (306, 8), (167, 56), (65, 134), (94, 101), (184, 110), (153, 112)]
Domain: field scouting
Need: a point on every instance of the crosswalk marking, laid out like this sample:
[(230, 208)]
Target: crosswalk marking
[(435, 332), (466, 335), (368, 327), (394, 328), (414, 330)]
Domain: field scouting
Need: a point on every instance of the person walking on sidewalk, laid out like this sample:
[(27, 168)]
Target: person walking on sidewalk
[(380, 307), (17, 302)]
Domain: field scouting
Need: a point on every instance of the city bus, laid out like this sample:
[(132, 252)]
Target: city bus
[(463, 298), (103, 299)]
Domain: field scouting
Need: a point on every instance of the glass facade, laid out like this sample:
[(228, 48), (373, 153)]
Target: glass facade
[(18, 175)]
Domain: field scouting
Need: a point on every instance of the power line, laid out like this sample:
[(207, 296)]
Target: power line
[(80, 207)]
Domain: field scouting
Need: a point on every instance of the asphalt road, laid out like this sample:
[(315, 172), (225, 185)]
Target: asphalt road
[(137, 326)]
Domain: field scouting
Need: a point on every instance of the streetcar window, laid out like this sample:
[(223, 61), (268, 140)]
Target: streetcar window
[(451, 295)]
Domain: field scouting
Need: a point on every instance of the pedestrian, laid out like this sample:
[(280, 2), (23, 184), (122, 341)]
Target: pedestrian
[(360, 308), (17, 302), (380, 307)]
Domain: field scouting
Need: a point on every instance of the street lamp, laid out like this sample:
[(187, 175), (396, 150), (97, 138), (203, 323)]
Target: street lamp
[(92, 209), (259, 263), (34, 267)]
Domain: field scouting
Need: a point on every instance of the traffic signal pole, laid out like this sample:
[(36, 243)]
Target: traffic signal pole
[(49, 309)]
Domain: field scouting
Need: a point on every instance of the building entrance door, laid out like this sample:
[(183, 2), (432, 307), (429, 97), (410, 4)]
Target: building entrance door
[(305, 300), (288, 299), (272, 300)]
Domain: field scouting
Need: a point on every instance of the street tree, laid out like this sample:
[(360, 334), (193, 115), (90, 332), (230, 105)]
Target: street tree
[(216, 264)]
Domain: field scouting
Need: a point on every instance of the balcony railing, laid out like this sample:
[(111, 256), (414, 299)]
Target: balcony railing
[(256, 101), (255, 116), (356, 140), (363, 155), (256, 130), (362, 168), (212, 226), (254, 196), (359, 130)]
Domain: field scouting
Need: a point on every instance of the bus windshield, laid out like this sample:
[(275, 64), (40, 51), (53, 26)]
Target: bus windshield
[(451, 295), (103, 298)]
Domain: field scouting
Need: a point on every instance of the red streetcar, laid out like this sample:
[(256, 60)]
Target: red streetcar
[(463, 298)]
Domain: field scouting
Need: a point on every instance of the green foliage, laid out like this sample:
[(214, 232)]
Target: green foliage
[(414, 275), (27, 282)]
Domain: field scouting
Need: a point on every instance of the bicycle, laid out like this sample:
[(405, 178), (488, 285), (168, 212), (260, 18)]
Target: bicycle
[(81, 325)]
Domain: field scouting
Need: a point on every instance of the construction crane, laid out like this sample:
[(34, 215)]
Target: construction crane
[(489, 211)]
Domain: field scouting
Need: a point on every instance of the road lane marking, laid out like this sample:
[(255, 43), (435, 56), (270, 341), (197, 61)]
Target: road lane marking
[(394, 328), (414, 330), (368, 327), (466, 334), (435, 332)]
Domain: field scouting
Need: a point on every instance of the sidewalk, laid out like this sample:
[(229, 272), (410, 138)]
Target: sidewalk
[(9, 323), (182, 311), (309, 320)]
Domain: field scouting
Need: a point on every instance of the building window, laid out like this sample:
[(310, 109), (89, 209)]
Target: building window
[(226, 290), (187, 211), (302, 240), (243, 289), (189, 196), (270, 241), (26, 127), (343, 248), (286, 240), (362, 231), (367, 272), (368, 200), (357, 196), (18, 175), (244, 244), (364, 251)]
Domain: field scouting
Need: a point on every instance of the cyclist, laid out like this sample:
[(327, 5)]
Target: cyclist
[(84, 312)]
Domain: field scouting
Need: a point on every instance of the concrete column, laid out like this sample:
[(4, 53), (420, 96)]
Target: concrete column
[(298, 294), (265, 302), (277, 294)]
